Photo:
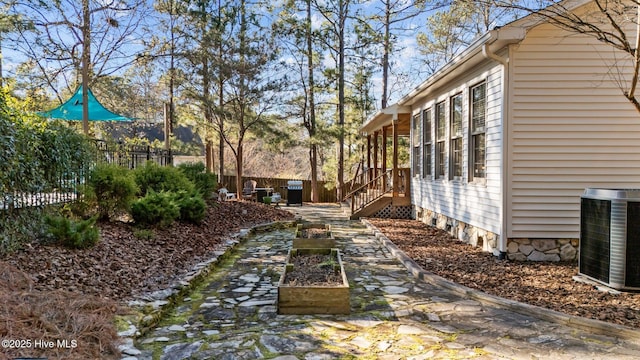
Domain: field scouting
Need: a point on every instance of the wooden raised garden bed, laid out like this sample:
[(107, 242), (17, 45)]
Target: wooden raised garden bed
[(316, 236), (314, 282)]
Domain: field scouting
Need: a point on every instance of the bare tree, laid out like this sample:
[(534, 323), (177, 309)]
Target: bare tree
[(9, 23), (73, 42), (311, 121), (393, 17), (615, 23), (454, 26)]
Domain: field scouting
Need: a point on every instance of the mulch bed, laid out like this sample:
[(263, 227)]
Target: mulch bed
[(123, 265), (52, 293)]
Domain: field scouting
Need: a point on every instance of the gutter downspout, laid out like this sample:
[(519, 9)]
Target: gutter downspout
[(504, 145)]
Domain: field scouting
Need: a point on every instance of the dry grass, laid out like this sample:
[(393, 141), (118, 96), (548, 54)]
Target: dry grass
[(77, 326)]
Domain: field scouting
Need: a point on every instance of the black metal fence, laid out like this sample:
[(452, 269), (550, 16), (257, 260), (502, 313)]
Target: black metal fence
[(131, 156), (65, 187)]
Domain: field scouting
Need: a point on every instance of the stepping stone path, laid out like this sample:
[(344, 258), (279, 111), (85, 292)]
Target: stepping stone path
[(233, 315)]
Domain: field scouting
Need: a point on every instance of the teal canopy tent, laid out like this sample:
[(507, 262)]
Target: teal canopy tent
[(71, 110)]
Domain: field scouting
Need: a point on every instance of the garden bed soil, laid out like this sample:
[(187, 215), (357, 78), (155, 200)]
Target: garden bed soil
[(313, 270), (313, 282), (126, 262), (314, 235)]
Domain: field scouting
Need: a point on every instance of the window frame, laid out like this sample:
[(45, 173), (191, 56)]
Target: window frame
[(440, 137), (416, 145), (475, 134), (427, 140), (456, 142)]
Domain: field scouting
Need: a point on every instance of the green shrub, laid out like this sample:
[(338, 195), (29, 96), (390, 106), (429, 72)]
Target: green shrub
[(192, 206), (21, 227), (84, 205), (144, 234), (113, 188), (35, 154), (204, 181), (155, 208), (156, 178), (71, 233)]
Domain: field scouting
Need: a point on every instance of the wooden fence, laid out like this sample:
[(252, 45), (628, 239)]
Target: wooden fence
[(279, 185)]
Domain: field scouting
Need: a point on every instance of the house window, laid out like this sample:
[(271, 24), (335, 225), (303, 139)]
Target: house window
[(426, 143), (456, 137), (477, 129), (441, 151), (416, 144)]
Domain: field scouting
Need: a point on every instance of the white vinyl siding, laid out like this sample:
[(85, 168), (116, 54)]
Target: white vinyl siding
[(477, 204), (571, 128)]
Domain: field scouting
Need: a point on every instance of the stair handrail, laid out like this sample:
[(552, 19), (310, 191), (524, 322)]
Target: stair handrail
[(355, 176), (371, 191)]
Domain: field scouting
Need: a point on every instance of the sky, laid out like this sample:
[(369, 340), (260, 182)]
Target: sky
[(406, 59)]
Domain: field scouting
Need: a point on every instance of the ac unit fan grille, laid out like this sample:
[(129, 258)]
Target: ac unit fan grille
[(632, 269), (595, 226)]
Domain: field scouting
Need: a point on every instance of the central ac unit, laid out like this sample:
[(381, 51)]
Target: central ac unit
[(610, 237)]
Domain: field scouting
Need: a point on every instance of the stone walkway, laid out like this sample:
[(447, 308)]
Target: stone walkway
[(393, 314)]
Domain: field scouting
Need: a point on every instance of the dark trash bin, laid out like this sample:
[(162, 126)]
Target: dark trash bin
[(261, 193)]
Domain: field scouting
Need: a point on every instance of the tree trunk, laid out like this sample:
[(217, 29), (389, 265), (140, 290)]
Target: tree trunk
[(241, 97), (385, 55), (172, 75), (221, 143), (167, 126), (239, 161), (86, 58), (208, 115), (313, 157), (220, 150), (208, 154), (313, 150), (342, 20)]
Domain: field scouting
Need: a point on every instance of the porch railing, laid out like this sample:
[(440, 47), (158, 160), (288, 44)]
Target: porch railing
[(370, 191)]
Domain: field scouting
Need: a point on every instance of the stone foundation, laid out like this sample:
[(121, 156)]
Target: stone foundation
[(517, 249), (542, 249), (469, 234)]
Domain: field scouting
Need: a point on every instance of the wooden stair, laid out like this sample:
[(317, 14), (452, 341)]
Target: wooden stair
[(375, 195), (372, 208)]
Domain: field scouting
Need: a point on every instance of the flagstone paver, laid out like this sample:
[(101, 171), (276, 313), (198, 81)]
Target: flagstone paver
[(393, 314)]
